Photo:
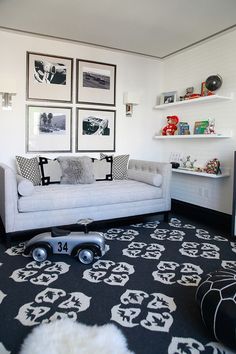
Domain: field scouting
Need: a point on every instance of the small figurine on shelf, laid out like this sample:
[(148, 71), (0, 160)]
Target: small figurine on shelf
[(213, 167), (189, 94), (192, 163), (187, 162), (171, 126), (211, 127)]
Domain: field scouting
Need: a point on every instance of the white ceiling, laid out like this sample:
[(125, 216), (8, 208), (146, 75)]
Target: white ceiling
[(151, 27)]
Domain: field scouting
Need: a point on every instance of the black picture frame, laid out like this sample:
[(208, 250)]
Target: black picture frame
[(48, 128), (95, 83), (168, 97), (49, 77), (95, 130)]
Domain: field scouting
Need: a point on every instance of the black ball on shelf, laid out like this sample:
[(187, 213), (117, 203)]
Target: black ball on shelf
[(213, 82), (175, 164)]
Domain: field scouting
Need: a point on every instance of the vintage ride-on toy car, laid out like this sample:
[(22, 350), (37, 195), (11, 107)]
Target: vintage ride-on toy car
[(83, 245)]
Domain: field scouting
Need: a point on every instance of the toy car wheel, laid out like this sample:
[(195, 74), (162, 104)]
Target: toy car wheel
[(39, 254), (86, 256)]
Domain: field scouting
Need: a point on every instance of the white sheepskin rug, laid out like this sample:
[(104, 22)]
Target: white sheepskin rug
[(68, 337)]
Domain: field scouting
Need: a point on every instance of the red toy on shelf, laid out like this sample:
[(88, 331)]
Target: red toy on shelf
[(171, 126)]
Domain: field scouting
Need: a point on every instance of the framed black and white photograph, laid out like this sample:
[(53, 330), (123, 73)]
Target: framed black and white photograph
[(95, 130), (168, 97), (49, 77), (48, 129), (96, 83)]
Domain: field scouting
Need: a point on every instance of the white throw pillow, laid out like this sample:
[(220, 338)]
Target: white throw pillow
[(24, 186), (102, 169), (155, 179), (50, 171)]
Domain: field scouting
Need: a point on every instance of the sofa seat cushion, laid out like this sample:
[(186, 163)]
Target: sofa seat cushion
[(55, 197)]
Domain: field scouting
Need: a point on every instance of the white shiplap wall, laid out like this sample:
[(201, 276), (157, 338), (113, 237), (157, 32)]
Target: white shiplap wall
[(187, 69)]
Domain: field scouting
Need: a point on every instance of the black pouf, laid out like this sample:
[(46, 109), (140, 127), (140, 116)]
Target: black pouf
[(216, 296)]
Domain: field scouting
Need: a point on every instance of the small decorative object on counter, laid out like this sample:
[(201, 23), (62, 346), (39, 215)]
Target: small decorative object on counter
[(211, 127), (189, 94), (213, 83), (171, 126), (194, 95), (188, 163), (174, 164), (185, 161), (183, 128), (168, 97), (199, 169), (200, 127), (192, 163), (213, 167), (204, 90)]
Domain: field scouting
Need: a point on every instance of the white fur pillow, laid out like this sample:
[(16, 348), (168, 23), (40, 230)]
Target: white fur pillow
[(76, 170), (68, 337), (155, 179), (24, 186)]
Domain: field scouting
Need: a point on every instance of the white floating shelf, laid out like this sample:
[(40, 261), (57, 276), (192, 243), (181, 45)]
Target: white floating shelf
[(194, 136), (200, 174), (206, 99)]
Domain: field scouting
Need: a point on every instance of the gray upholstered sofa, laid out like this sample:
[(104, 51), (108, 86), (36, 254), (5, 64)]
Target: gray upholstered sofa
[(56, 205)]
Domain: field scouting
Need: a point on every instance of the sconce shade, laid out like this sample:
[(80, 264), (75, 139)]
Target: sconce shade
[(7, 85), (131, 98), (7, 101), (7, 90)]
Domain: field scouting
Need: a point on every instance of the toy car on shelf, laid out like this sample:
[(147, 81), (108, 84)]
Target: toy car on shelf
[(83, 245)]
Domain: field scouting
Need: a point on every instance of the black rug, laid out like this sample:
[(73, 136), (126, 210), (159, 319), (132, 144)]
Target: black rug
[(145, 284)]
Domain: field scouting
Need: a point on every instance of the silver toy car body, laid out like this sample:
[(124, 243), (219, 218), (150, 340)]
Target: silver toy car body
[(84, 246)]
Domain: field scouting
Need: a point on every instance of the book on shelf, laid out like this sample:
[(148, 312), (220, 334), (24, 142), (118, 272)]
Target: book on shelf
[(200, 127), (183, 128)]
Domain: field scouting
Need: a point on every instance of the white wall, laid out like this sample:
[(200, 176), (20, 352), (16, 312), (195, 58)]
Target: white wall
[(134, 73), (135, 135), (187, 69)]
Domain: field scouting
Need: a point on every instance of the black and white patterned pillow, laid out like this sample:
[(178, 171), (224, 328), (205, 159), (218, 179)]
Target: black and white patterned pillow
[(119, 166), (50, 171), (102, 169), (29, 168)]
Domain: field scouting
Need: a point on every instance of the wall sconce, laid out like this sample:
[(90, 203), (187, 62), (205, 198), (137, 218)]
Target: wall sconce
[(130, 99), (7, 100), (7, 90)]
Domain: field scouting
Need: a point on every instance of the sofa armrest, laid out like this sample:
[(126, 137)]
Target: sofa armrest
[(8, 197), (163, 168)]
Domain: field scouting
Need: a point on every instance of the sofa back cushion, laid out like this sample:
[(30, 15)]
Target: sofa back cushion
[(76, 170)]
